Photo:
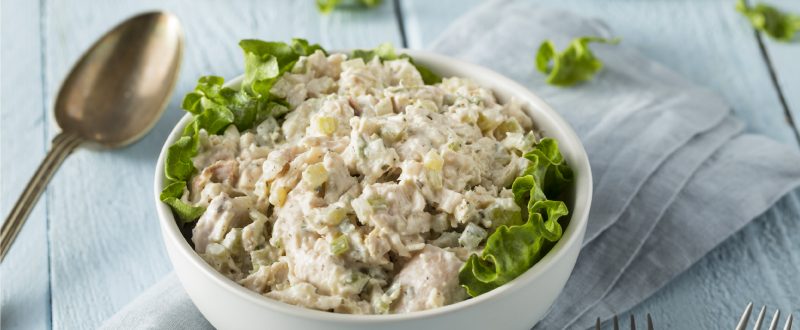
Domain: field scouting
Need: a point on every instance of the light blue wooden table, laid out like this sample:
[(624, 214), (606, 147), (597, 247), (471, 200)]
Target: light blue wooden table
[(93, 242)]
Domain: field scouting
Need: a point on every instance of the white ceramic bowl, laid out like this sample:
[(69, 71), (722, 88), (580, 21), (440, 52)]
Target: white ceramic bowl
[(519, 304)]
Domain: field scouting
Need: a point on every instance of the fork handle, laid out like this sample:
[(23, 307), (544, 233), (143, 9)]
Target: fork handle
[(63, 145)]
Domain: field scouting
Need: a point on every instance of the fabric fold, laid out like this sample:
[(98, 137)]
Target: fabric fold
[(738, 183), (595, 273), (165, 305)]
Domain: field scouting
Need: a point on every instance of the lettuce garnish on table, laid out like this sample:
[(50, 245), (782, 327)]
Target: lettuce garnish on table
[(514, 248), (327, 6), (574, 64), (770, 20)]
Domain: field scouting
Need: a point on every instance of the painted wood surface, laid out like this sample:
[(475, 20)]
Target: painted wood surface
[(24, 275), (104, 242), (785, 61)]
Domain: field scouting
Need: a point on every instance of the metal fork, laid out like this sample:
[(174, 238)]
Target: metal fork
[(773, 325), (633, 323)]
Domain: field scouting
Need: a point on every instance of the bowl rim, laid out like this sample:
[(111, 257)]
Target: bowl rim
[(579, 217)]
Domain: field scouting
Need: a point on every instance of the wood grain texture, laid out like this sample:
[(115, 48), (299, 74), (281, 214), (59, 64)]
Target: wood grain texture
[(760, 264), (710, 44), (785, 60), (424, 20), (106, 245), (24, 276)]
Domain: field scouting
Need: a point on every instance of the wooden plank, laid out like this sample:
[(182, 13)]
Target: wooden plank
[(709, 43), (24, 274), (783, 58), (759, 264), (724, 57), (106, 246), (424, 20)]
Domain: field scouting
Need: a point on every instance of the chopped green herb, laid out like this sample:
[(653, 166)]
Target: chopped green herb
[(574, 64)]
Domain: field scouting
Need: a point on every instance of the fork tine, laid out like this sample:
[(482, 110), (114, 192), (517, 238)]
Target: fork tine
[(760, 318), (616, 322), (597, 324), (633, 323), (745, 317), (649, 322), (775, 318), (788, 325)]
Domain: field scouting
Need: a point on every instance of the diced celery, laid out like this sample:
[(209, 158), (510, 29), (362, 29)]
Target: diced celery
[(454, 146), (391, 132), (504, 211), (335, 216), (340, 245), (433, 161), (233, 240), (507, 126), (358, 280), (263, 257), (447, 239), (472, 236), (278, 196), (384, 302), (315, 175), (377, 202), (483, 122), (327, 125), (435, 178)]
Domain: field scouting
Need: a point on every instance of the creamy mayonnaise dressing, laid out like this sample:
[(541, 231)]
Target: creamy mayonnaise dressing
[(371, 193)]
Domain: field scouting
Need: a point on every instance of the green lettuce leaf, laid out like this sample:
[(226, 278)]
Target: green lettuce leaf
[(428, 76), (327, 6), (548, 167), (386, 52), (302, 47), (513, 249), (215, 107), (768, 19), (178, 164), (574, 64), (171, 195)]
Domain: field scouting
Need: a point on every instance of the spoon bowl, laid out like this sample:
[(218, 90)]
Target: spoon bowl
[(113, 96), (119, 88)]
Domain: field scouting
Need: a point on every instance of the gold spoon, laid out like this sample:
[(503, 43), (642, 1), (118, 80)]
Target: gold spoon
[(112, 97)]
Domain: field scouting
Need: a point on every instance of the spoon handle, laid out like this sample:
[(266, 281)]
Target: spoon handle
[(63, 144)]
